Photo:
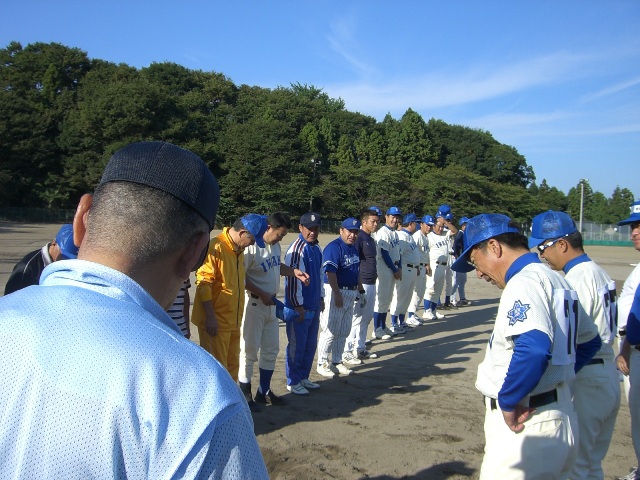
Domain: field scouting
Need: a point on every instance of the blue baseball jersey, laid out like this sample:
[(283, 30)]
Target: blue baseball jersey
[(343, 259)]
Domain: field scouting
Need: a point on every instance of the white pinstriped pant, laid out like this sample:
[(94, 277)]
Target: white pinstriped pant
[(335, 325), (403, 291)]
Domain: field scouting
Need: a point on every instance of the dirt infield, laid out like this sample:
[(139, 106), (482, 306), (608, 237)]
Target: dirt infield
[(413, 413)]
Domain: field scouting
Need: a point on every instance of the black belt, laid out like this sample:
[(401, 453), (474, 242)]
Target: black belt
[(637, 347), (253, 295), (412, 266), (423, 264), (441, 263), (355, 287), (596, 361), (535, 401)]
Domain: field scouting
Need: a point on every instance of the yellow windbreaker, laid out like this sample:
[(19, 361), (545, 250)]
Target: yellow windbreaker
[(221, 279)]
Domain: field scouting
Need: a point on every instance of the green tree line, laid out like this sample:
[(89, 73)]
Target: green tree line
[(62, 115)]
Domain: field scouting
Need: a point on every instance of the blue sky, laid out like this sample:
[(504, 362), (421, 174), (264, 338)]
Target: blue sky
[(558, 80)]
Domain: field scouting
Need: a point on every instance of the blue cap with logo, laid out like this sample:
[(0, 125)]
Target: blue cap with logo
[(635, 215), (256, 225), (445, 212), (480, 228), (550, 225), (409, 217), (351, 224), (394, 211), (463, 220), (64, 239), (428, 219), (377, 210), (310, 220)]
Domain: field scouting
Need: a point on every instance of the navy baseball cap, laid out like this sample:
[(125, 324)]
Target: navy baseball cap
[(377, 210), (548, 225), (256, 225), (635, 214), (428, 219), (463, 220), (480, 228), (394, 211), (410, 217), (169, 168), (64, 240), (310, 220), (351, 224)]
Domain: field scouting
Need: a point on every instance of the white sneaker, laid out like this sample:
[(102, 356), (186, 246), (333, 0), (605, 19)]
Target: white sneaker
[(389, 332), (324, 370), (382, 334), (298, 389), (439, 316), (349, 358), (413, 321), (308, 384), (428, 315), (633, 474), (343, 369)]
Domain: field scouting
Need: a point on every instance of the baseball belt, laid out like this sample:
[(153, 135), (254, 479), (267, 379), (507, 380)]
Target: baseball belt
[(253, 295), (355, 287), (637, 347), (596, 361), (535, 401), (412, 266), (441, 263)]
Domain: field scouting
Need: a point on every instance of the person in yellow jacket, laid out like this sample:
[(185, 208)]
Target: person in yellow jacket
[(219, 301)]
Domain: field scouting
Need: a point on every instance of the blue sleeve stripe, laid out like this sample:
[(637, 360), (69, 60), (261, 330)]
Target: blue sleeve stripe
[(585, 351), (387, 259), (531, 355)]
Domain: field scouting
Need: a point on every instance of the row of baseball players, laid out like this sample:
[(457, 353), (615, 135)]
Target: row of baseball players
[(549, 381)]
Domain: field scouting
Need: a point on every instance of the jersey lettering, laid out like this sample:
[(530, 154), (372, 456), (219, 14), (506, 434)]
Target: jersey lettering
[(610, 310), (270, 263), (565, 336)]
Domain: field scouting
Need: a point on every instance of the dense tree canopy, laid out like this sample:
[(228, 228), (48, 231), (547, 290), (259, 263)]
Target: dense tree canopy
[(62, 115)]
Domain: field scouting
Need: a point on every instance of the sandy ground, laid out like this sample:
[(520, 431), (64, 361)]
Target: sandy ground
[(413, 413)]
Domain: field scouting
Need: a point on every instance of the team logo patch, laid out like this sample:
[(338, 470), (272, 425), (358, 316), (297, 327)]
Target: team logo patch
[(518, 313)]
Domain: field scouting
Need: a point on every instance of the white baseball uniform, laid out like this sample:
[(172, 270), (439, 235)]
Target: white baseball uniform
[(387, 239), (421, 280), (259, 330), (632, 382), (596, 391), (410, 259), (536, 302), (439, 248)]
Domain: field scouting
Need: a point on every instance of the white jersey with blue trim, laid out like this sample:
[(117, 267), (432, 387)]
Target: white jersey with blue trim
[(423, 246), (387, 239), (262, 266), (536, 298), (409, 252), (597, 295), (440, 246), (626, 296)]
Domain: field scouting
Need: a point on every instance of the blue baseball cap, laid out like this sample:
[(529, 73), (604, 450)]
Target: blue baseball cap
[(377, 210), (287, 314), (256, 225), (480, 228), (428, 219), (394, 211), (351, 224), (444, 211), (64, 239), (550, 225), (310, 220), (635, 214), (463, 220), (409, 217)]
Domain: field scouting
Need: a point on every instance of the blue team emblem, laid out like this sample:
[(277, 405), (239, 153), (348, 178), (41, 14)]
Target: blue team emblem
[(518, 313)]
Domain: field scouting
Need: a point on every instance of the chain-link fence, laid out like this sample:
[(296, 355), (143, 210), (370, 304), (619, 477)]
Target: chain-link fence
[(36, 215), (602, 234)]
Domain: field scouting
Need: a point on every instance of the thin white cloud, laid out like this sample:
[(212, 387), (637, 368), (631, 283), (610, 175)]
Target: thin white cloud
[(619, 87), (341, 40), (447, 89)]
